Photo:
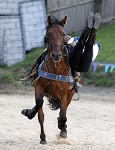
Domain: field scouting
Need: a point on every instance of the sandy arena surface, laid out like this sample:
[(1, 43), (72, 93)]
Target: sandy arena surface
[(91, 122)]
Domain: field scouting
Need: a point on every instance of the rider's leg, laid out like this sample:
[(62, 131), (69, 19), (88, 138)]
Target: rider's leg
[(87, 29), (86, 58), (87, 55), (76, 54)]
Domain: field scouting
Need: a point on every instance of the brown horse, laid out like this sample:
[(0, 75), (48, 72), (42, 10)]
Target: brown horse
[(54, 78)]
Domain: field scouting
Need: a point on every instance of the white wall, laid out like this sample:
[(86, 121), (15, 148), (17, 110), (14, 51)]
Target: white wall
[(22, 28), (10, 7), (33, 18), (11, 40)]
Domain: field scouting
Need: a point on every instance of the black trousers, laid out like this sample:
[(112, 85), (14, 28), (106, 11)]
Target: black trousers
[(80, 58)]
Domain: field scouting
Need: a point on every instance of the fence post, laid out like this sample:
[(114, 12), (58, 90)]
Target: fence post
[(5, 54), (98, 6)]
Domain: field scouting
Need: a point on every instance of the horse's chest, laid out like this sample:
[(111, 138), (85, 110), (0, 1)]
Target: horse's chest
[(55, 88)]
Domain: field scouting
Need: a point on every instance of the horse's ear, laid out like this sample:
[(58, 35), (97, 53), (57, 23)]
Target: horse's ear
[(49, 20), (64, 21)]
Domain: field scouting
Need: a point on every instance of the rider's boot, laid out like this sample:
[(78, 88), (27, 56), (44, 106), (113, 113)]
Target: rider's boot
[(87, 29), (77, 83), (96, 25), (97, 21), (76, 76)]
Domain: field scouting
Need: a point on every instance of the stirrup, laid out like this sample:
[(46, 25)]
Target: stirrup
[(77, 81), (76, 84)]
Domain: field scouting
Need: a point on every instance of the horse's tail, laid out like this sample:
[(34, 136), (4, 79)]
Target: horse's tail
[(54, 104)]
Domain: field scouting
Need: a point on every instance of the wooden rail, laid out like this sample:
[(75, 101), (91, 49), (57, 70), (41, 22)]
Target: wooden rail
[(70, 6)]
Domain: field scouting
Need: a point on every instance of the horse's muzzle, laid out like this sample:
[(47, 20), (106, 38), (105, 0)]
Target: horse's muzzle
[(56, 57)]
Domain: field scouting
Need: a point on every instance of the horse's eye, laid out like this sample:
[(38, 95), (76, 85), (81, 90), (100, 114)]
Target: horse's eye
[(65, 51), (63, 34)]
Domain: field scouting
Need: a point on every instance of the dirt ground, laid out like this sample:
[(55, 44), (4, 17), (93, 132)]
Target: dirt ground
[(91, 122)]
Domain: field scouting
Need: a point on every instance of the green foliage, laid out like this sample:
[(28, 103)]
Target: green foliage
[(20, 70), (7, 78), (106, 37), (99, 78)]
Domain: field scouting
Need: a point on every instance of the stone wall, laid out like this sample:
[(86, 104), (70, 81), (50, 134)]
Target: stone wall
[(10, 7), (22, 28), (11, 40), (33, 23)]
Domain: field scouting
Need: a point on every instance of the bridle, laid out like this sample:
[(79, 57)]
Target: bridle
[(63, 46), (52, 76)]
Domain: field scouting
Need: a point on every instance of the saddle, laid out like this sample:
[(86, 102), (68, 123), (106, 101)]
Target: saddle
[(34, 73)]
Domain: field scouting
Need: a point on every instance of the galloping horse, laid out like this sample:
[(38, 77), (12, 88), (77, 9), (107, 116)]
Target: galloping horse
[(54, 78)]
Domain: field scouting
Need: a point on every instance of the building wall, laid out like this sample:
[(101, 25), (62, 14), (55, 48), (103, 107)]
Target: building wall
[(33, 18), (10, 7), (22, 28), (11, 40)]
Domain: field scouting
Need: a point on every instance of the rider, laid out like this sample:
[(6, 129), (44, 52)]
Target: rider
[(83, 50)]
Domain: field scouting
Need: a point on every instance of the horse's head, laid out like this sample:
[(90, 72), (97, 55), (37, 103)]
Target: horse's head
[(54, 37)]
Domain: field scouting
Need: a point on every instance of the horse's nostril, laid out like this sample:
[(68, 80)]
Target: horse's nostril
[(60, 55), (52, 55), (56, 57)]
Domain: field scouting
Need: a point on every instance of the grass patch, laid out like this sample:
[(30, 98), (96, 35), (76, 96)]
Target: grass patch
[(20, 70), (99, 79), (106, 37), (7, 78)]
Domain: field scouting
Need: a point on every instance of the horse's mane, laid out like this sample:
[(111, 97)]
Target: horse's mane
[(54, 21)]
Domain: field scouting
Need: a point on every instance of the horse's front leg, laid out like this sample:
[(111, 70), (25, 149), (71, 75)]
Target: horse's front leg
[(39, 104), (41, 121), (62, 119), (30, 113)]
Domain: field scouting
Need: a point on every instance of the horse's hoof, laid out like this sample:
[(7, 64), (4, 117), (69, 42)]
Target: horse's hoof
[(43, 142), (63, 134), (24, 112)]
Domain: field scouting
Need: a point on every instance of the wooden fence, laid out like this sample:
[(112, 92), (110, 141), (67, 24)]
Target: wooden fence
[(77, 11)]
